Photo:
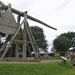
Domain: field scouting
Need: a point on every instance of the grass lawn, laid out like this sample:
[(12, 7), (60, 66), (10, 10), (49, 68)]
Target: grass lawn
[(50, 68)]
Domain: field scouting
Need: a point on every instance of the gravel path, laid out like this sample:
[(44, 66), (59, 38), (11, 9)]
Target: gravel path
[(47, 61), (42, 61)]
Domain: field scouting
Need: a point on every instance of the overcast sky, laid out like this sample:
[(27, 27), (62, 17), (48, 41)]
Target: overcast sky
[(57, 13)]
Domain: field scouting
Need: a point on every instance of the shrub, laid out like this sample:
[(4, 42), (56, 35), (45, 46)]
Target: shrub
[(51, 54)]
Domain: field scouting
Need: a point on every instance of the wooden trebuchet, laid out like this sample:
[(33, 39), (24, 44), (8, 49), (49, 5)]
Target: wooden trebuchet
[(10, 27), (5, 7)]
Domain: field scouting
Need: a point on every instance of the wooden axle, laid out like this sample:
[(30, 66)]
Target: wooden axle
[(23, 41), (5, 7)]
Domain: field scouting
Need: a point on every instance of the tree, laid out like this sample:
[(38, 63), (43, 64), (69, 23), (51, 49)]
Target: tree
[(71, 36), (53, 49), (62, 43), (39, 37)]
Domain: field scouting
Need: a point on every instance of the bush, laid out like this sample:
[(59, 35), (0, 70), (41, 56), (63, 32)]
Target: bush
[(51, 54), (62, 54)]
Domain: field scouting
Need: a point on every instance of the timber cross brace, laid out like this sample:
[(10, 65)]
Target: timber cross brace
[(13, 30)]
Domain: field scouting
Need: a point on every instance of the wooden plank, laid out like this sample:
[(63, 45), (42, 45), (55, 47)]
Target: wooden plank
[(8, 24), (17, 50), (7, 30)]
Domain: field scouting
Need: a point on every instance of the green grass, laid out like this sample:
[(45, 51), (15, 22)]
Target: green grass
[(57, 56), (52, 68)]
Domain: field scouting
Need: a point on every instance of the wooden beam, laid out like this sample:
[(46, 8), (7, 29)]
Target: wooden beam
[(5, 7), (17, 47), (22, 41), (29, 50)]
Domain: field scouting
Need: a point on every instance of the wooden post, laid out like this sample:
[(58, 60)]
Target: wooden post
[(17, 48), (30, 38), (24, 35), (17, 37), (11, 50)]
